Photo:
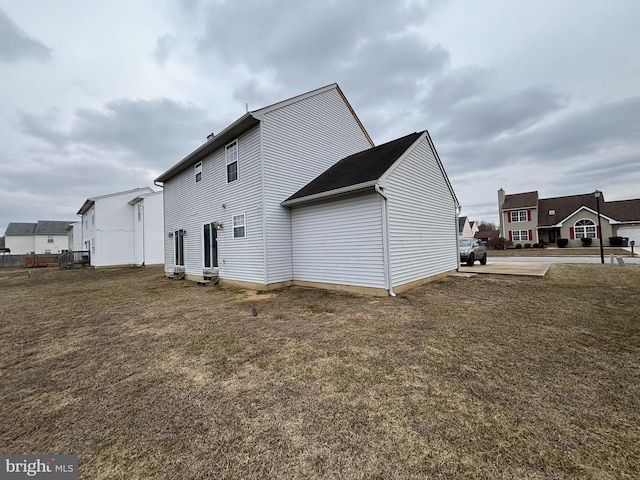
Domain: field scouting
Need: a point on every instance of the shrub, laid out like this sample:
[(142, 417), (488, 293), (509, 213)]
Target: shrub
[(518, 245), (527, 245), (563, 242), (586, 242), (499, 243), (536, 245)]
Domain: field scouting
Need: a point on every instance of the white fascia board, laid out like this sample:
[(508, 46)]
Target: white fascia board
[(331, 193)]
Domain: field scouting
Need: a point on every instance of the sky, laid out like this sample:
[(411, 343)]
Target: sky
[(102, 97)]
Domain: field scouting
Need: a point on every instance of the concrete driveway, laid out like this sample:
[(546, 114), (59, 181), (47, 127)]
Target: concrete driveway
[(537, 269)]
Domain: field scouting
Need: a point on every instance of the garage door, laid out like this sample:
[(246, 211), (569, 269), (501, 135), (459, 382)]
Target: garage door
[(632, 232)]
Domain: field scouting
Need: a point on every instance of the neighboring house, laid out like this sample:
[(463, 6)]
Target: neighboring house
[(3, 249), (43, 237), (74, 232), (464, 227), (113, 232), (486, 235), (148, 229), (526, 218), (474, 227), (260, 203)]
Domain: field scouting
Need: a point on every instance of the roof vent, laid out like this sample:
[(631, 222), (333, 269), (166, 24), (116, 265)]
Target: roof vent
[(552, 212), (210, 136)]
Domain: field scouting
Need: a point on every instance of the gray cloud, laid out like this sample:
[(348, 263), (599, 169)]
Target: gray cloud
[(17, 45), (154, 132), (164, 45)]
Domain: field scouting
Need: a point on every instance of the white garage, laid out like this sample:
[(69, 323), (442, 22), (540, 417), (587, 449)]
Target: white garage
[(632, 232)]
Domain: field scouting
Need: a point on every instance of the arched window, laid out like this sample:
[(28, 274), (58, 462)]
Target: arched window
[(585, 229)]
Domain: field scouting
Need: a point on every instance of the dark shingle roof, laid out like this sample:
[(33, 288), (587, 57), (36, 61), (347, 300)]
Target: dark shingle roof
[(52, 227), (623, 210), (520, 200), (366, 166), (565, 206), (16, 228)]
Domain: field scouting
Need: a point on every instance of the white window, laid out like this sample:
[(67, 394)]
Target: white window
[(520, 235), (49, 238), (519, 216), (239, 227), (210, 245), (585, 229), (231, 154), (47, 251), (198, 171)]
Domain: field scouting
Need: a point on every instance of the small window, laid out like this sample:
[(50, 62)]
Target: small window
[(198, 171), (47, 251), (49, 238), (552, 212), (239, 229), (231, 154)]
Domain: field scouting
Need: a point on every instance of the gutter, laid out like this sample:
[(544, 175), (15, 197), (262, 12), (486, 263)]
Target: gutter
[(385, 238)]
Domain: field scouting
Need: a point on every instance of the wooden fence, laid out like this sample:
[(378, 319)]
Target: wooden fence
[(45, 260)]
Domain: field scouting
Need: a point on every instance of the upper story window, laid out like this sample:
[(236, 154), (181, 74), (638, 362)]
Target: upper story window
[(239, 226), (520, 235), (585, 229), (49, 238), (198, 171), (231, 155), (520, 216)]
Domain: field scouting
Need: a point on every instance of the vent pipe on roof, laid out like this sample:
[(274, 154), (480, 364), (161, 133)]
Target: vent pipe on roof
[(210, 136)]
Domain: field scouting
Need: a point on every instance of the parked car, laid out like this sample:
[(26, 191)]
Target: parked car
[(472, 249)]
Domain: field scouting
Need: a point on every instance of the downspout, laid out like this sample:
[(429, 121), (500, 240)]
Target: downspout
[(385, 239), (457, 216)]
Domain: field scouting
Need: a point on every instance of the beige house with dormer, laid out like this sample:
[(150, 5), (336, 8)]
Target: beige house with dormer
[(527, 219)]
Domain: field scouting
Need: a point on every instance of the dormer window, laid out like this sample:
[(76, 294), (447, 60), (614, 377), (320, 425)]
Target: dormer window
[(552, 212)]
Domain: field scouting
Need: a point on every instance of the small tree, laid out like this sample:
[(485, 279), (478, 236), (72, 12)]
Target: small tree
[(484, 226)]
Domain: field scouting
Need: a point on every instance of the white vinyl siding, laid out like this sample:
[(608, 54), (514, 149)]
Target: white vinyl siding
[(300, 141), (422, 218), (217, 201), (339, 241)]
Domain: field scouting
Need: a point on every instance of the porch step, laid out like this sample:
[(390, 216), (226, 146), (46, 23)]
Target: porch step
[(177, 276), (204, 283)]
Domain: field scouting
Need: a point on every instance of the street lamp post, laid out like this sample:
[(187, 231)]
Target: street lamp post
[(597, 194)]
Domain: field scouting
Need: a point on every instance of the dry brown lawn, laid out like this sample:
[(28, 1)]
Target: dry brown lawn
[(483, 377)]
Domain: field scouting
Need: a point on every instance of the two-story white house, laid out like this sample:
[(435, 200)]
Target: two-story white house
[(123, 228), (296, 193), (43, 237)]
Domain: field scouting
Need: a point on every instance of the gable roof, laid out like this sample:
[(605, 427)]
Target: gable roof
[(357, 171), (565, 206), (520, 200), (243, 124), (52, 227), (90, 201), (16, 228)]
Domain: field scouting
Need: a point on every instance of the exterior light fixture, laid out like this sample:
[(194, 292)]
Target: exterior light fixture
[(170, 235), (219, 226)]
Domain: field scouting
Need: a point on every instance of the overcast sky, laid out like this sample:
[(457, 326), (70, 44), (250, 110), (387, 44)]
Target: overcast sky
[(100, 97)]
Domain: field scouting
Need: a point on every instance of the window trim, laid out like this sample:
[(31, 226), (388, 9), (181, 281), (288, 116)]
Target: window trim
[(213, 234), (516, 216), (50, 239), (234, 160), (580, 231), (197, 170), (519, 235), (243, 226)]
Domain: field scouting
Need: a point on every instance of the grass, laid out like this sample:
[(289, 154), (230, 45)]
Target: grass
[(483, 377)]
